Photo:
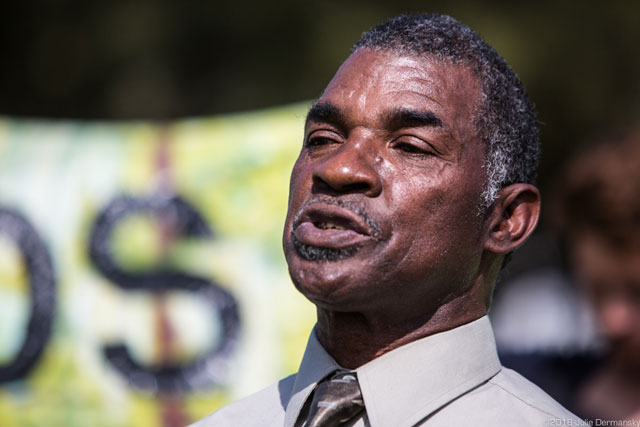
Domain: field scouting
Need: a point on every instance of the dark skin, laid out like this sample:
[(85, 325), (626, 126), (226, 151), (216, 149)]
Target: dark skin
[(387, 189)]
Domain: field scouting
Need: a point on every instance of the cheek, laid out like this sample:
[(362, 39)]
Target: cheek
[(297, 181), (437, 200), (442, 220), (410, 188), (421, 219)]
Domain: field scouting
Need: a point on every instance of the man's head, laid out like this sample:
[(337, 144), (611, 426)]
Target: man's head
[(414, 177)]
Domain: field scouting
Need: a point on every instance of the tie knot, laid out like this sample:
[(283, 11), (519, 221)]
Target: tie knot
[(336, 400)]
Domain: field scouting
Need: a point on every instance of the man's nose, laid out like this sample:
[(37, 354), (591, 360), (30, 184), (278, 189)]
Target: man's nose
[(350, 169)]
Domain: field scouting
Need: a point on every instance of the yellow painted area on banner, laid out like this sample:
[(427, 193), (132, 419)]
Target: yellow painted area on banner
[(12, 272), (68, 181), (14, 288)]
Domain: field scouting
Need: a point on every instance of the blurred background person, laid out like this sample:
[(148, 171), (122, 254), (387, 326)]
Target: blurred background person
[(597, 213)]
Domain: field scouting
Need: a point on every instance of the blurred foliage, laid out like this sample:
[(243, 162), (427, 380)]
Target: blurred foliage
[(159, 59)]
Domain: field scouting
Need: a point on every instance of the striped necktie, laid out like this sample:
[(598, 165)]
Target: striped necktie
[(336, 400)]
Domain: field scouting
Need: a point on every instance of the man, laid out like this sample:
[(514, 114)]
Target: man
[(413, 183)]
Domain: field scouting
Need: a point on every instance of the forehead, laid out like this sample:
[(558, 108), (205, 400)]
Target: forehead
[(370, 82)]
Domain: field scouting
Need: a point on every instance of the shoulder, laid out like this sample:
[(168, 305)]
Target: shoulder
[(521, 392), (263, 408), (507, 399)]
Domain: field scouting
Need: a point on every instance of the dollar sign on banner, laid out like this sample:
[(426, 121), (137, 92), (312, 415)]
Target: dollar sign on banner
[(187, 222), (42, 289)]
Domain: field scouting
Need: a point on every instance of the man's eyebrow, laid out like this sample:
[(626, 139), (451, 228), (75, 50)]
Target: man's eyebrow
[(408, 118), (325, 112), (394, 119)]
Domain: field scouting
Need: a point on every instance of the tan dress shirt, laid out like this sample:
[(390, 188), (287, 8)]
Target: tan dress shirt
[(453, 378)]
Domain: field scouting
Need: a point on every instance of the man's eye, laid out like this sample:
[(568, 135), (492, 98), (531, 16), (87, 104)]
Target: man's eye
[(411, 148), (316, 141)]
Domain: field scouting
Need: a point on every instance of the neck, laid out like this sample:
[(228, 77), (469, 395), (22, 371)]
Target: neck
[(354, 339)]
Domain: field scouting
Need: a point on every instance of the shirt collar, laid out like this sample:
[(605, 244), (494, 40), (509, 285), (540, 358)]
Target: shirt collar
[(404, 386), (409, 383), (316, 364)]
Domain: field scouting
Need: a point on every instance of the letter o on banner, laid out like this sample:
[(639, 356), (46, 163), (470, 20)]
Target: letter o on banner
[(42, 287)]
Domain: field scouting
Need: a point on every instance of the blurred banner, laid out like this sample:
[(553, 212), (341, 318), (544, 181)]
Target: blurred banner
[(142, 281)]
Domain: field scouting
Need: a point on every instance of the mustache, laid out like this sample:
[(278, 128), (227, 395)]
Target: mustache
[(353, 206)]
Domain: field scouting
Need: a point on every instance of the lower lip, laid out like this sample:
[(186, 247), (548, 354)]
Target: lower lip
[(309, 234)]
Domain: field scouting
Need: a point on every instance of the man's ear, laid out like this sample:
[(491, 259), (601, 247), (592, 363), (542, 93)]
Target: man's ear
[(513, 217)]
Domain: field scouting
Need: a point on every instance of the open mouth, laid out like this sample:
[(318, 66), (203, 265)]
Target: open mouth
[(331, 230), (328, 234), (324, 225)]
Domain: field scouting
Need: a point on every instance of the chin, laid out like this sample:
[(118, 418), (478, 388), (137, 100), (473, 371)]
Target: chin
[(324, 283)]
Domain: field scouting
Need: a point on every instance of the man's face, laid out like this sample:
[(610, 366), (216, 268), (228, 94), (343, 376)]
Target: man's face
[(384, 197)]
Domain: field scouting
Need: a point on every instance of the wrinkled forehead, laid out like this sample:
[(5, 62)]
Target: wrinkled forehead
[(369, 75), (371, 83), (397, 68)]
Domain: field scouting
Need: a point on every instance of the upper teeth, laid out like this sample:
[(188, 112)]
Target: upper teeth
[(330, 226)]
